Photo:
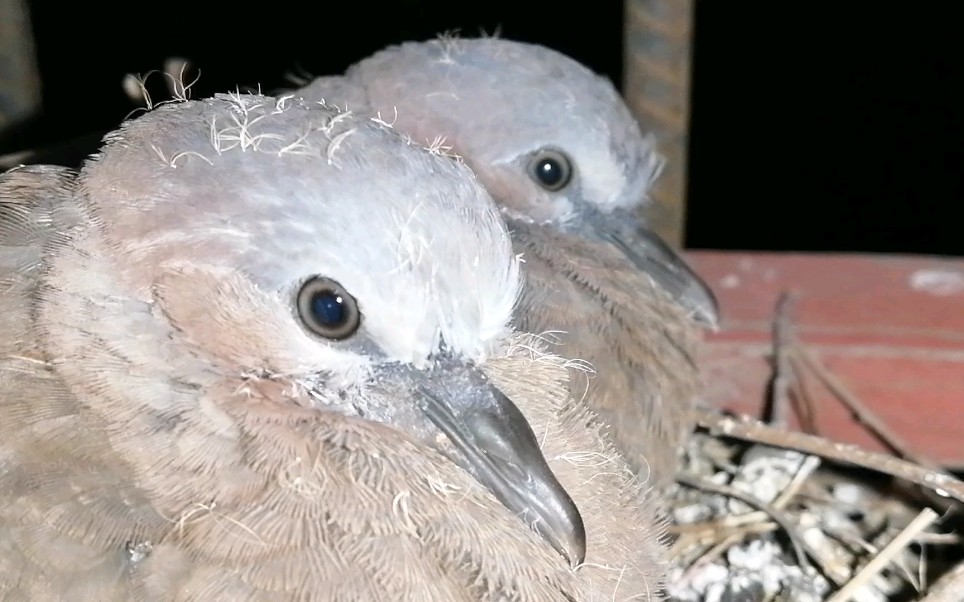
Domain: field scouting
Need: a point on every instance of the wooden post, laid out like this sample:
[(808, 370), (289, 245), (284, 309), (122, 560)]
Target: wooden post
[(19, 76), (657, 51)]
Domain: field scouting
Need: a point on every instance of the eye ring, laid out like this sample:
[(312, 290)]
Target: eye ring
[(327, 310), (550, 169)]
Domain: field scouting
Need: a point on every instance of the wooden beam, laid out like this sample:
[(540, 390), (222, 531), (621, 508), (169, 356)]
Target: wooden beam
[(19, 76), (656, 85)]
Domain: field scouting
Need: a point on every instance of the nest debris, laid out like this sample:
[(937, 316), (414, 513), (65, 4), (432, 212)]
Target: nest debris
[(760, 513)]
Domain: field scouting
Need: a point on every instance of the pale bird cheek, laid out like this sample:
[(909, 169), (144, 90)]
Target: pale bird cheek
[(350, 377), (564, 209), (404, 340), (547, 209), (606, 185)]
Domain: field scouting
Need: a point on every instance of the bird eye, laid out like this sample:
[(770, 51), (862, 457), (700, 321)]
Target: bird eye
[(551, 169), (327, 309)]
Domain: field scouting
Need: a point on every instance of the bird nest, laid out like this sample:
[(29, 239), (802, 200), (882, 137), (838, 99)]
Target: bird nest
[(762, 513)]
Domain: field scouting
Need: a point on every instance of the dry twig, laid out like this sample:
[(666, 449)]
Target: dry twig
[(875, 425), (772, 513), (886, 555), (749, 429), (781, 382)]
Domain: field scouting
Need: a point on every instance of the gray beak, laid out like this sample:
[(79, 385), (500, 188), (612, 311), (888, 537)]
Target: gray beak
[(495, 444), (665, 265)]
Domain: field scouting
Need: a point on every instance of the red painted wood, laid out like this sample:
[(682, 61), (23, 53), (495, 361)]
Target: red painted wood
[(890, 327)]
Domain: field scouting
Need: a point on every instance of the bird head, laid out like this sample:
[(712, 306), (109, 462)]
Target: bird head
[(284, 259), (552, 141)]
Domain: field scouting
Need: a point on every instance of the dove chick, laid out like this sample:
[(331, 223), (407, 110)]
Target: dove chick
[(260, 349), (566, 161)]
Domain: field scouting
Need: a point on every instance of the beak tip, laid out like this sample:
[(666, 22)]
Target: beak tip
[(571, 546), (706, 309), (568, 535), (710, 321), (577, 556)]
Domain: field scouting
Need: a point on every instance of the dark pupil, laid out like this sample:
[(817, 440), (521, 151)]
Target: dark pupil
[(549, 172), (328, 308)]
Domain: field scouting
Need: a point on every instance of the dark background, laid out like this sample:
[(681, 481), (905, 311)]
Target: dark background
[(813, 127)]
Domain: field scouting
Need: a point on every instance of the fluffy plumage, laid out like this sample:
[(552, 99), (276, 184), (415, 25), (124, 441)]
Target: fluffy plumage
[(171, 430), (625, 301)]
